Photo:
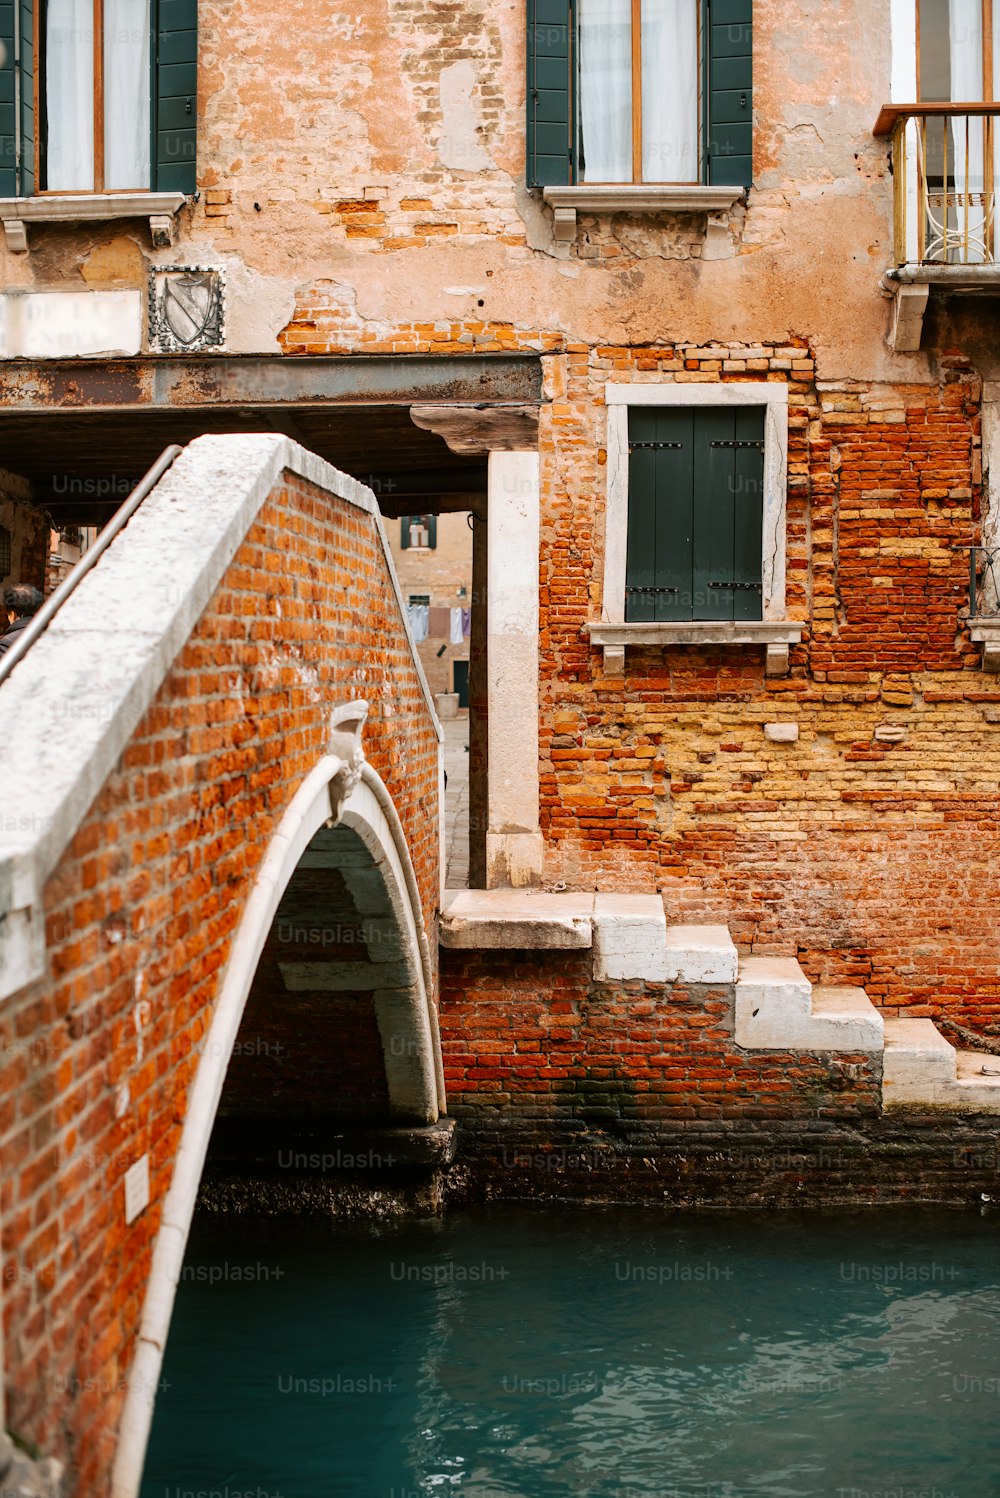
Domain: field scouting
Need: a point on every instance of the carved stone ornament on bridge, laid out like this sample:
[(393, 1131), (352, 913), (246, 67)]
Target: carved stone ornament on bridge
[(346, 723), (186, 308)]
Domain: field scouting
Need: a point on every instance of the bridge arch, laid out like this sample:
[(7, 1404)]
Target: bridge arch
[(342, 817)]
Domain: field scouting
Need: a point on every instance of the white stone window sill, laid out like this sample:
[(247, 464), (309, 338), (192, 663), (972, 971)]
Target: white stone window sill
[(89, 207), (776, 634), (636, 197)]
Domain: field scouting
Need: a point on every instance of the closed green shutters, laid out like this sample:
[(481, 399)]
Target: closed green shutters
[(695, 513), (549, 93), (728, 26), (175, 95)]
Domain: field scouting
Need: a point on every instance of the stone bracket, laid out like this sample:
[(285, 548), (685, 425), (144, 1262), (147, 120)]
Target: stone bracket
[(16, 236), (473, 431), (986, 632), (909, 303)]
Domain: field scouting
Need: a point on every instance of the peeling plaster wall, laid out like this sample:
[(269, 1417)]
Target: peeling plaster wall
[(380, 148)]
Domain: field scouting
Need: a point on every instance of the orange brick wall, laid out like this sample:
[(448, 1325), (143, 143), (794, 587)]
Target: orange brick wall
[(140, 918), (532, 1043), (874, 862)]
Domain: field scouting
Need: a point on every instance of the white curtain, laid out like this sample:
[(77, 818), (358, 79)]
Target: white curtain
[(605, 91), (670, 90), (126, 94), (965, 147), (69, 95)]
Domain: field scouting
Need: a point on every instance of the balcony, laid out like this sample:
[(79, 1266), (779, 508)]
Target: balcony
[(945, 165)]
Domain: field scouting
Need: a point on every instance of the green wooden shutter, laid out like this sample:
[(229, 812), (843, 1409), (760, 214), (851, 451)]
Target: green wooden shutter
[(729, 92), (728, 512), (175, 96), (695, 513), (549, 94), (26, 70), (404, 532), (17, 178), (658, 560), (8, 148)]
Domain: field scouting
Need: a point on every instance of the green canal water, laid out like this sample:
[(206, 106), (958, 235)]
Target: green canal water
[(568, 1353)]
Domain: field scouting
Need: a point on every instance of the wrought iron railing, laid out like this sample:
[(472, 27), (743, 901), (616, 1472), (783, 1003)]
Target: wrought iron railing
[(984, 581), (945, 164)]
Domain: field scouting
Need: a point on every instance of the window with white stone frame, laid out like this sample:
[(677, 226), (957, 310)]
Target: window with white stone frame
[(744, 604)]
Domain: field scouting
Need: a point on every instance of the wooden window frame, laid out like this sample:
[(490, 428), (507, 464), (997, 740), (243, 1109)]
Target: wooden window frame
[(637, 142), (41, 113), (988, 79)]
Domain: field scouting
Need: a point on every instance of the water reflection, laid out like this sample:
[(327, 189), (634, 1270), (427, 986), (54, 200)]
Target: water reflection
[(519, 1354)]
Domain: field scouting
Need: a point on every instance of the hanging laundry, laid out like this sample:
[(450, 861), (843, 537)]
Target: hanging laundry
[(466, 623), (419, 616), (456, 637)]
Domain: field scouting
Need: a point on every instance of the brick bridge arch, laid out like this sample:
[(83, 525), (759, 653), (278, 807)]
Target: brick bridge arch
[(230, 694)]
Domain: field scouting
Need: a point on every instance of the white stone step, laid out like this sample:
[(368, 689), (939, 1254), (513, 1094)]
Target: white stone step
[(921, 1069), (630, 938), (777, 1009), (701, 954), (517, 919)]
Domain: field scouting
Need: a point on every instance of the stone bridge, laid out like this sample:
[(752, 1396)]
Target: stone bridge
[(221, 789)]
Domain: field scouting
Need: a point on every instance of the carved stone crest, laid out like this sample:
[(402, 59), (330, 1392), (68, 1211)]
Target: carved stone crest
[(186, 312)]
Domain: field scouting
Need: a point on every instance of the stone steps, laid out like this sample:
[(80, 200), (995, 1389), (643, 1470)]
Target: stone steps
[(777, 1008), (921, 1069)]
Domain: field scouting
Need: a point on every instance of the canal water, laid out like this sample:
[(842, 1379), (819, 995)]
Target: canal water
[(569, 1353)]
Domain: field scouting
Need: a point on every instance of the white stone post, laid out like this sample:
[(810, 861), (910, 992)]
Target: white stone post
[(513, 840)]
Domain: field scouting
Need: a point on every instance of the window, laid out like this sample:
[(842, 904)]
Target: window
[(629, 127), (953, 63), (418, 532), (105, 93), (695, 513), (694, 545), (639, 91)]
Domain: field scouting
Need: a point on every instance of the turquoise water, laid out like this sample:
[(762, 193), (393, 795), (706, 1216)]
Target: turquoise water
[(567, 1353)]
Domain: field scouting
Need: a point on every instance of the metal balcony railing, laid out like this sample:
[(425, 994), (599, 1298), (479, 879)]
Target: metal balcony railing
[(946, 164), (984, 581)]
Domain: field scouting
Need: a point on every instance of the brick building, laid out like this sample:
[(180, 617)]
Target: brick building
[(714, 367), (731, 295)]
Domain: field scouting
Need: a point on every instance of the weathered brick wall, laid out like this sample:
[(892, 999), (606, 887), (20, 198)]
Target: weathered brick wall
[(564, 1088), (534, 1048), (873, 861), (141, 911)]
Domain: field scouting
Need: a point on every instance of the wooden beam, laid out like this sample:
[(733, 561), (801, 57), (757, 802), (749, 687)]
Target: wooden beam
[(636, 90), (98, 95)]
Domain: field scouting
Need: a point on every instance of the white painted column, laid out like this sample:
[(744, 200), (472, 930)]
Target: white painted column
[(513, 840)]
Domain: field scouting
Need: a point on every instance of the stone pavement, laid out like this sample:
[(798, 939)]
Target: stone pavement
[(456, 802)]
